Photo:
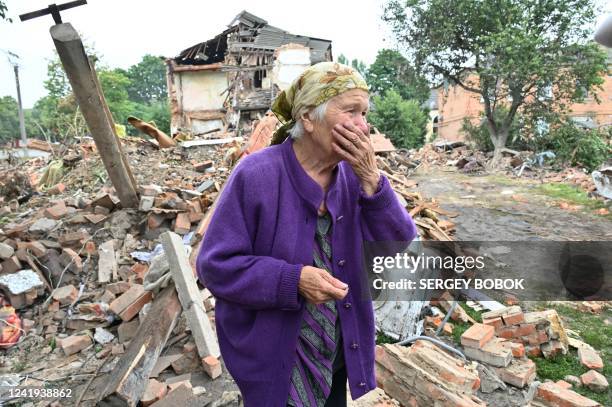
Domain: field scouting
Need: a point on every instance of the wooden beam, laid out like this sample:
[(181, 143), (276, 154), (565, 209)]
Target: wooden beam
[(93, 106), (130, 377), (189, 295)]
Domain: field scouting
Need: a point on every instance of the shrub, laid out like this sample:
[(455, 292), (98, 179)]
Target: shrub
[(576, 146), (480, 137), (402, 121)]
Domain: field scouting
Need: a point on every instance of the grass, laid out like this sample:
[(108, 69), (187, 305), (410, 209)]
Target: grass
[(572, 195), (593, 331), (382, 338)]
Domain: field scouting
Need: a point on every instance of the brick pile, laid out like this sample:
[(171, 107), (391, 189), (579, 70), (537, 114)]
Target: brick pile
[(542, 333), (506, 357), (425, 375)]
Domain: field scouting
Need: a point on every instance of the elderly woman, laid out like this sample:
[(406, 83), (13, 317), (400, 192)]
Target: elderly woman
[(283, 251)]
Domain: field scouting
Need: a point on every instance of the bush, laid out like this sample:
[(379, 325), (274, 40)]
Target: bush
[(576, 146), (156, 113), (402, 121)]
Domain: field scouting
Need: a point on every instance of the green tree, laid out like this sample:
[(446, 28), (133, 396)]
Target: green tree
[(115, 88), (147, 80), (342, 59), (403, 121), (527, 54), (9, 119), (391, 70), (3, 10)]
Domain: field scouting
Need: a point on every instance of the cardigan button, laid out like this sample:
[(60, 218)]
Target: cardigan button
[(339, 218), (354, 345), (341, 262), (347, 305), (362, 384)]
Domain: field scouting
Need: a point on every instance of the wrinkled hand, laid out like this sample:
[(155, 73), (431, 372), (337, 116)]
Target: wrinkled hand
[(318, 286), (355, 147)]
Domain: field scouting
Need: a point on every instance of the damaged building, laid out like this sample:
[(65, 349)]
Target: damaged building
[(222, 84)]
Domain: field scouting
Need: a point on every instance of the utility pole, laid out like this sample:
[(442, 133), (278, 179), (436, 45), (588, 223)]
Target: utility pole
[(12, 58)]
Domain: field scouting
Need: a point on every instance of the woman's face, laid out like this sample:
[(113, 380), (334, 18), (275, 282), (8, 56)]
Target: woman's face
[(348, 107)]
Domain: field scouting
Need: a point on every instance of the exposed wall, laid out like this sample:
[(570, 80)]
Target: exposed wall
[(201, 90), (291, 61), (455, 104)]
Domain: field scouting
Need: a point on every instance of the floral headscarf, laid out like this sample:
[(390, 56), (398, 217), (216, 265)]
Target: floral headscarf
[(315, 86)]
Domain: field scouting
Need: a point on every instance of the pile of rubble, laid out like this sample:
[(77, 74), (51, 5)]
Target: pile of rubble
[(497, 352)]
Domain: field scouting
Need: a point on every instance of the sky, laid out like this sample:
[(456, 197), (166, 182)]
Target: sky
[(123, 31)]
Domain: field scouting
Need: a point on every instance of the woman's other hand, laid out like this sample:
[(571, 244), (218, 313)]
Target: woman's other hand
[(351, 143), (319, 286)]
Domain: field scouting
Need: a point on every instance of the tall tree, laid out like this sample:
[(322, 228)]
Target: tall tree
[(526, 54), (9, 119), (392, 71), (3, 10), (147, 80), (355, 63)]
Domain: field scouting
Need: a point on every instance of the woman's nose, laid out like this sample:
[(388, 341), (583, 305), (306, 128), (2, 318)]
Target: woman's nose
[(361, 122)]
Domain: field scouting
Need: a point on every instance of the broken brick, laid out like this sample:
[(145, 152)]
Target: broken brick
[(494, 322), (71, 259), (74, 238), (186, 363), (66, 294), (56, 189), (57, 211), (133, 309), (212, 366), (155, 220), (202, 166), (119, 287), (553, 348), (519, 373), (153, 392), (37, 249), (495, 352), (74, 344), (595, 381), (477, 335), (11, 265), (554, 395), (563, 384), (6, 251), (182, 224), (589, 358), (525, 329), (127, 298)]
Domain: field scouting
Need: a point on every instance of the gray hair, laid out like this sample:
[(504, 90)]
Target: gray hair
[(316, 114)]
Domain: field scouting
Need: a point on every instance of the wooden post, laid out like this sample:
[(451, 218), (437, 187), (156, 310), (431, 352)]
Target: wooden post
[(83, 80)]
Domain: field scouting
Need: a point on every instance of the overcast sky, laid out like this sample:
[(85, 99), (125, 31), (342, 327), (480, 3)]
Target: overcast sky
[(122, 31)]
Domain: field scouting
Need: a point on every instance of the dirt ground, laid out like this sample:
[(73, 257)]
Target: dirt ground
[(494, 207)]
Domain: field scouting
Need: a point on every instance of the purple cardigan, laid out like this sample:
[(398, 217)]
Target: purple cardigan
[(260, 236)]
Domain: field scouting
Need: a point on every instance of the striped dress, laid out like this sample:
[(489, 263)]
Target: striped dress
[(319, 346)]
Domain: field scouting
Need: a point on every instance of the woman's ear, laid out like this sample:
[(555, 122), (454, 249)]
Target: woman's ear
[(307, 122)]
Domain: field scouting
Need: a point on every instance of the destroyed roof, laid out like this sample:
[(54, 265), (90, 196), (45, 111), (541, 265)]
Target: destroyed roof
[(264, 37)]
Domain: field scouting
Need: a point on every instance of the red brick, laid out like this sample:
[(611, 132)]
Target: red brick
[(595, 381), (57, 211), (37, 249), (513, 319), (212, 366), (11, 265), (75, 343), (518, 349), (519, 373), (118, 288), (188, 362), (477, 335), (139, 270), (202, 166), (494, 322), (533, 351), (127, 298), (495, 352), (507, 332), (589, 358), (563, 384), (555, 395), (69, 256), (77, 238), (56, 189), (66, 294), (510, 299), (155, 220), (182, 224), (90, 248), (154, 391), (525, 329), (553, 348), (133, 309)]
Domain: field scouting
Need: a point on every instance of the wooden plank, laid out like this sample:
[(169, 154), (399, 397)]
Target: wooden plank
[(407, 184), (209, 142), (189, 295), (130, 377)]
